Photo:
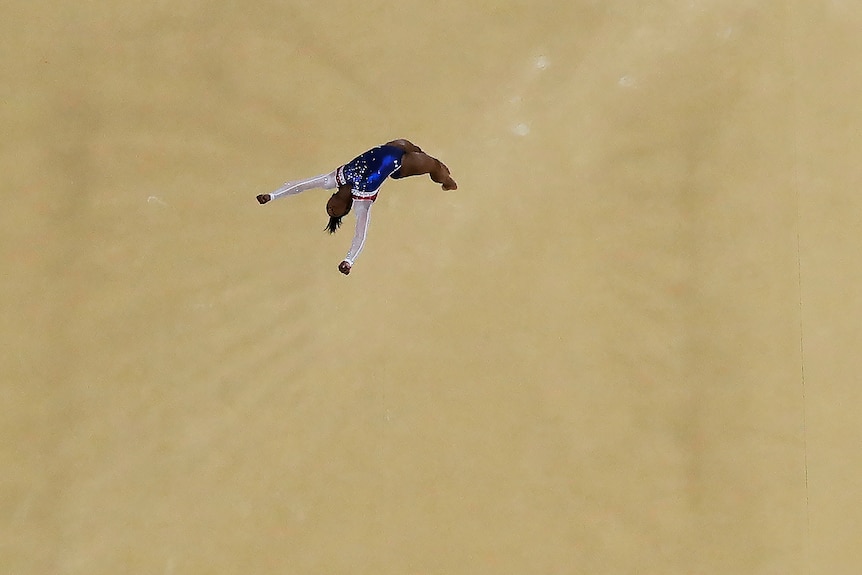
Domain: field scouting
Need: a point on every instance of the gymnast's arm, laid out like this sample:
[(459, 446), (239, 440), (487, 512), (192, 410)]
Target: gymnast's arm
[(362, 209)]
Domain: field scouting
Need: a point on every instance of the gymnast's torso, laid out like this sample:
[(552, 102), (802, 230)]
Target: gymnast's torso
[(367, 172)]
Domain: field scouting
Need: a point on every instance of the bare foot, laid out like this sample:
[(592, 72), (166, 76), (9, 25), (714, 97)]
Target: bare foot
[(445, 178)]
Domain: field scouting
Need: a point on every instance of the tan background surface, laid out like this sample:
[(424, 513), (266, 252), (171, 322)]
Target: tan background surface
[(630, 343)]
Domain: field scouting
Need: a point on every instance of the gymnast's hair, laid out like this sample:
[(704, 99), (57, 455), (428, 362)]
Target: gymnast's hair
[(333, 225)]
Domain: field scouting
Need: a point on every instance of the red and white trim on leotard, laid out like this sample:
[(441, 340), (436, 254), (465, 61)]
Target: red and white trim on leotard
[(356, 196)]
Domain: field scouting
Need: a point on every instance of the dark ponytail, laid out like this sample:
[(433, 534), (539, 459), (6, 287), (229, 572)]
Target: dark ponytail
[(334, 224)]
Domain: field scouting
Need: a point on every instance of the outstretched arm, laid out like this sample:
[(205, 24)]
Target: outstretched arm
[(362, 209), (325, 181)]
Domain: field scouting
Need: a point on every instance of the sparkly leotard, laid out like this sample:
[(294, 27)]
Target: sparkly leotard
[(367, 172)]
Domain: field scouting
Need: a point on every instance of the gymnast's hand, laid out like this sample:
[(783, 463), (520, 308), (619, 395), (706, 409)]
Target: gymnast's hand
[(344, 267)]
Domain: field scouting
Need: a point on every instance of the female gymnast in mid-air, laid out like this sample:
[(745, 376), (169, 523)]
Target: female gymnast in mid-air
[(358, 182)]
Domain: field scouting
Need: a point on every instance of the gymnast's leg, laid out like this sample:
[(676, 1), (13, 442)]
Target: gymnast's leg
[(419, 163), (324, 181)]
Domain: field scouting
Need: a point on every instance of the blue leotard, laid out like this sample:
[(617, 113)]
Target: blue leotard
[(367, 172)]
